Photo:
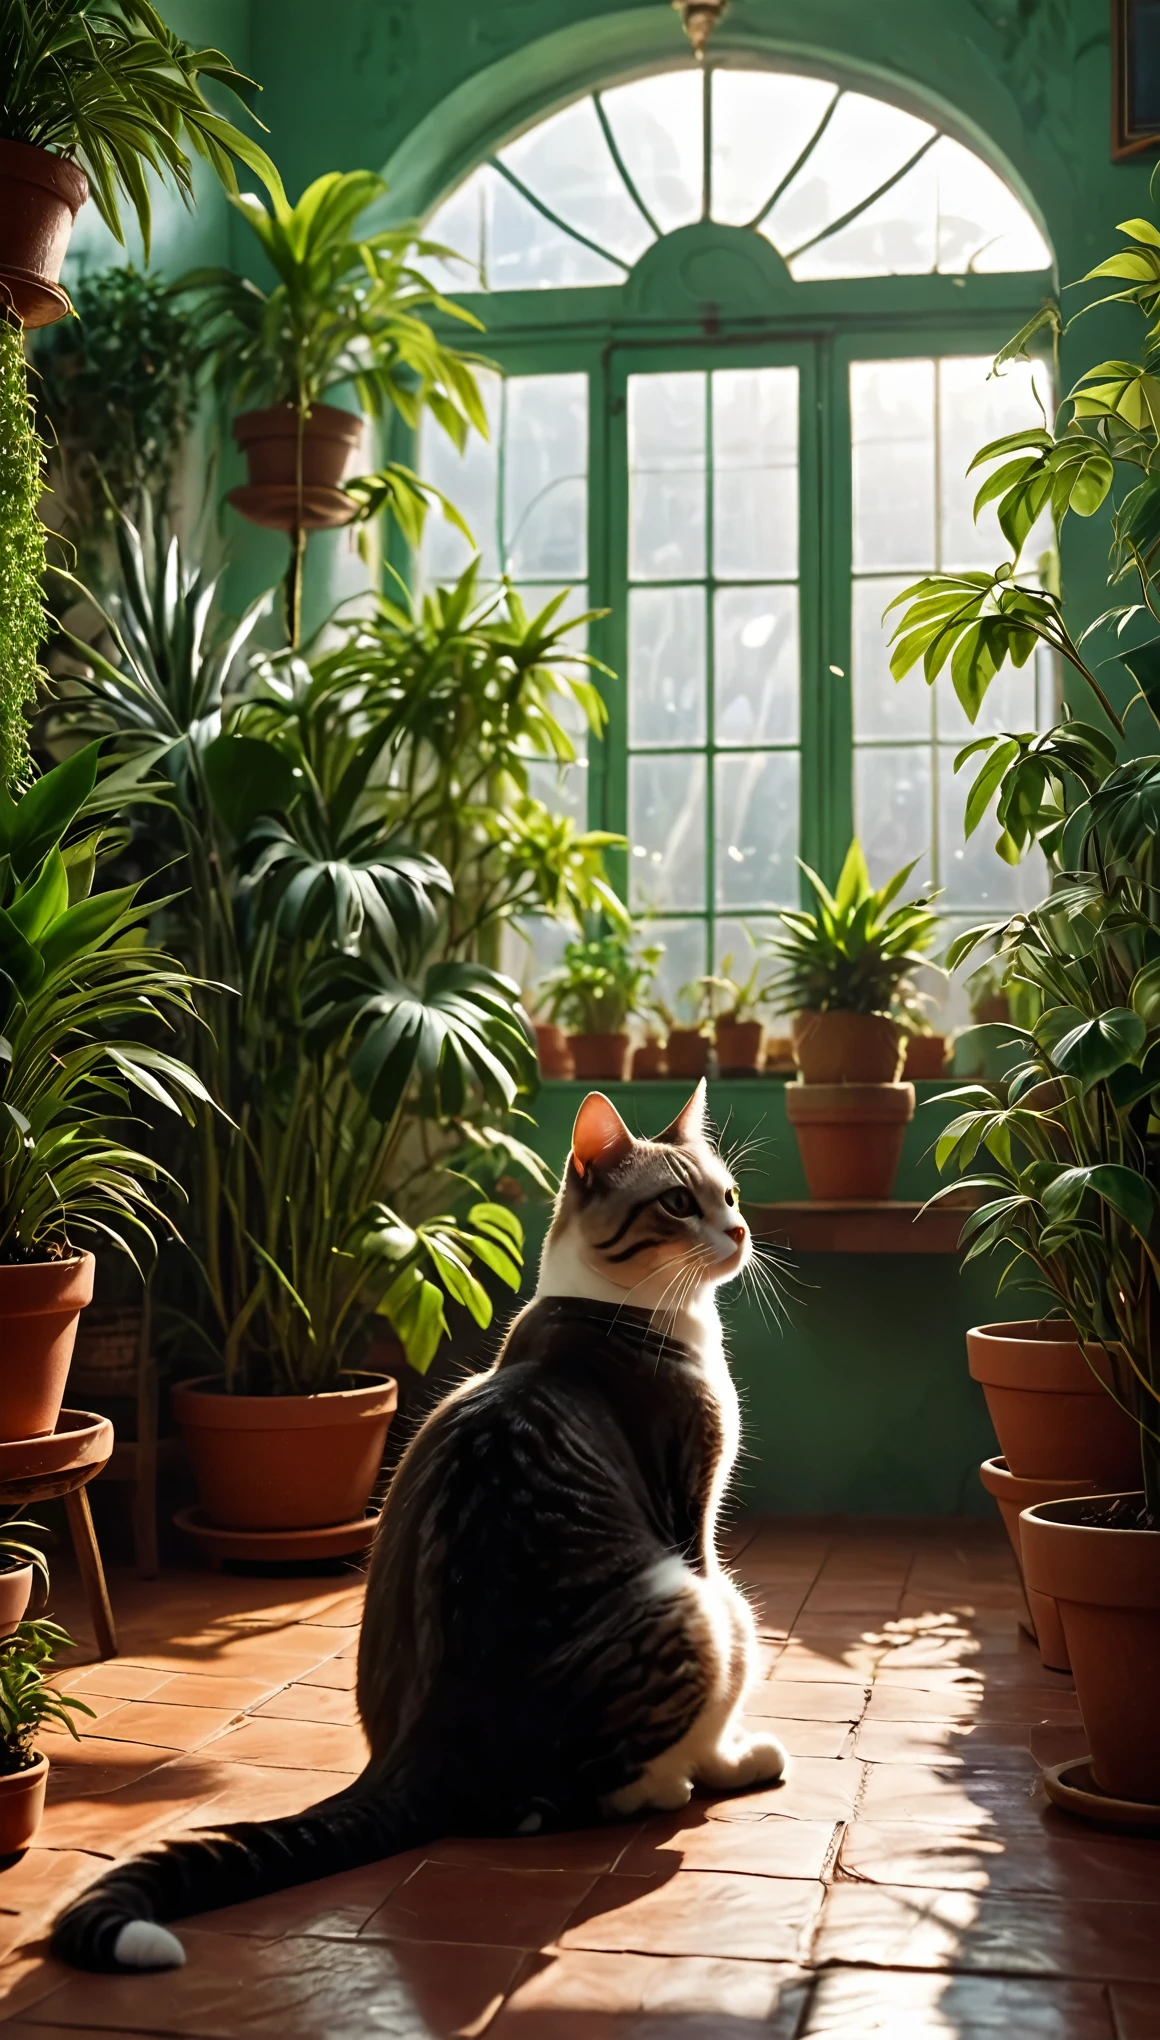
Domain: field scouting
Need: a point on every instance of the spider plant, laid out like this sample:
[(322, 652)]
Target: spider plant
[(852, 954), (722, 997), (107, 84), (28, 1701)]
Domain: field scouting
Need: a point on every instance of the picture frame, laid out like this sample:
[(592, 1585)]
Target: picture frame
[(1135, 78)]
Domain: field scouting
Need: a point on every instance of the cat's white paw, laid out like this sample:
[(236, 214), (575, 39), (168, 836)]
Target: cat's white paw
[(142, 1944), (754, 1760)]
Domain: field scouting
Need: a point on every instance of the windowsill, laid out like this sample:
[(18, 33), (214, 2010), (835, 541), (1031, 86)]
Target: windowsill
[(865, 1228)]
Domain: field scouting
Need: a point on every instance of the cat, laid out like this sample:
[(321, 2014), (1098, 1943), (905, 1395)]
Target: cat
[(549, 1638)]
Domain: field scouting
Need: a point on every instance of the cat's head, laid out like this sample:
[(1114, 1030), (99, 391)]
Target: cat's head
[(651, 1217)]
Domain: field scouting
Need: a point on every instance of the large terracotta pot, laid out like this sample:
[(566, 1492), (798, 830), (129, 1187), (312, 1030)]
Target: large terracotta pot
[(276, 495), (926, 1057), (850, 1137), (1106, 1585), (1053, 1415), (848, 1048), (40, 197), (1013, 1496), (648, 1061), (555, 1056), (40, 1302), (739, 1046), (599, 1055), (687, 1053), (15, 1589), (21, 1805), (285, 1462)]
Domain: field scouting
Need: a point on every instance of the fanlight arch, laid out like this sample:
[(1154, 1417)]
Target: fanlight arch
[(841, 183)]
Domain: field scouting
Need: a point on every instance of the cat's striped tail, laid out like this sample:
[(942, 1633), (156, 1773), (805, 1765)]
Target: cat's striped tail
[(116, 1925)]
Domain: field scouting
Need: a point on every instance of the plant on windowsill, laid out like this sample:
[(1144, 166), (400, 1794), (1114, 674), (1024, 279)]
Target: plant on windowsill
[(29, 1703), (349, 309), (601, 984), (733, 1012), (1069, 1145)]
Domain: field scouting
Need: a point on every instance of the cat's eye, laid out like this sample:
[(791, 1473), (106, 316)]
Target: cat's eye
[(679, 1203), (731, 1196)]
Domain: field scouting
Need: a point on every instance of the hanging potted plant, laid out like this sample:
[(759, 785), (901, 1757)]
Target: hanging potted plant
[(96, 96), (601, 984), (844, 973), (29, 1703), (1069, 1147)]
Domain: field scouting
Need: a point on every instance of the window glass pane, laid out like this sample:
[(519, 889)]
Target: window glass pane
[(883, 706), (530, 948), (545, 475), (567, 164), (897, 235), (892, 433), (892, 807), (757, 829), (864, 144), (469, 480), (666, 458), (459, 225), (666, 666), (562, 788), (1010, 704), (666, 829), (658, 128), (740, 944), (685, 958), (756, 665), (970, 872), (525, 251), (762, 121), (976, 407), (982, 225), (755, 453)]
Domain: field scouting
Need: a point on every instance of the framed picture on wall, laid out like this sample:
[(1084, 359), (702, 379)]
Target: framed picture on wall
[(1135, 77)]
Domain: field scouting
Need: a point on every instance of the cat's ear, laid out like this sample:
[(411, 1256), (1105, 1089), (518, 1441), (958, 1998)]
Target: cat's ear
[(599, 1136), (689, 1123)]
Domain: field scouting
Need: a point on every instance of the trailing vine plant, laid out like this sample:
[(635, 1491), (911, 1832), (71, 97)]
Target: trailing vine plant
[(22, 559)]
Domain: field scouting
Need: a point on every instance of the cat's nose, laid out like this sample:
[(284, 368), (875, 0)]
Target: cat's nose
[(739, 1234)]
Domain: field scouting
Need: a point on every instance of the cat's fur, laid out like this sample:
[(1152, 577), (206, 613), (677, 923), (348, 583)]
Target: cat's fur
[(549, 1638)]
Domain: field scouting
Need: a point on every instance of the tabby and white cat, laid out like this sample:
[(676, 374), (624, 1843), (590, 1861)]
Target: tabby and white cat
[(549, 1638)]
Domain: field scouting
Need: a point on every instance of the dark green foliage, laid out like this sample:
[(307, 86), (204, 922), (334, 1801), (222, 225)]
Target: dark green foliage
[(22, 560)]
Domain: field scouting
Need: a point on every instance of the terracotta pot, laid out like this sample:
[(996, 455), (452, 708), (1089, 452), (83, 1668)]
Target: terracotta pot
[(1053, 1416), (1106, 1584), (15, 1589), (850, 1137), (553, 1052), (779, 1054), (293, 1462), (848, 1048), (21, 1805), (687, 1053), (40, 197), (926, 1057), (40, 1302), (276, 496), (648, 1061), (1013, 1496), (739, 1046), (599, 1055)]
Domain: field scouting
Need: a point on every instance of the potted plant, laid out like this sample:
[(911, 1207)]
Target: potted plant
[(733, 1012), (552, 1051), (844, 975), (81, 996), (1068, 1147), (20, 1564), (101, 87), (926, 1053), (28, 1704), (349, 310), (649, 1060), (600, 984)]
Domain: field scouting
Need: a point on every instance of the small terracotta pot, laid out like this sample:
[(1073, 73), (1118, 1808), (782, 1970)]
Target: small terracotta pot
[(1013, 1496), (779, 1054), (21, 1805), (687, 1053), (553, 1051), (648, 1061), (739, 1046), (1053, 1415), (1106, 1584), (40, 197), (40, 1302), (276, 495), (15, 1589), (848, 1048), (599, 1055), (285, 1462), (850, 1137), (926, 1057)]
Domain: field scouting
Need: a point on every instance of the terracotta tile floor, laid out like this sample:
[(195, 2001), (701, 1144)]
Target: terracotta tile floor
[(908, 1880)]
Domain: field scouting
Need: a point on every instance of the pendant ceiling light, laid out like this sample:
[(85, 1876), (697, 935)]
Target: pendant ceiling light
[(699, 18)]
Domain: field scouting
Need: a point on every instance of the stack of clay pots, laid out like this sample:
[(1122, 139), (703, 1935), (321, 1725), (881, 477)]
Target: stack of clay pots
[(848, 1110)]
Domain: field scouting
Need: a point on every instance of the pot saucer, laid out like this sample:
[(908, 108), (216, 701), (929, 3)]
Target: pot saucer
[(279, 506), (80, 1439), (1072, 1787), (334, 1540)]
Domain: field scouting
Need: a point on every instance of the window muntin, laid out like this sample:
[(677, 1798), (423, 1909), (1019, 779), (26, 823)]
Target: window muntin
[(841, 183)]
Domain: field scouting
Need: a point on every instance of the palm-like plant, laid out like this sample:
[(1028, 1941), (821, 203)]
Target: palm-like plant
[(853, 954), (109, 85)]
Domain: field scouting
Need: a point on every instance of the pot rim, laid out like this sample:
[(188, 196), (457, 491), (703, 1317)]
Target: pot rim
[(1043, 1520), (66, 1263), (1024, 1332), (53, 172), (270, 420), (26, 1776), (202, 1404), (11, 1568), (1006, 1483), (597, 1036)]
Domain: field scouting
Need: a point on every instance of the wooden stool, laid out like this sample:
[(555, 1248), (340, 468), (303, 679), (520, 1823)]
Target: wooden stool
[(39, 1469)]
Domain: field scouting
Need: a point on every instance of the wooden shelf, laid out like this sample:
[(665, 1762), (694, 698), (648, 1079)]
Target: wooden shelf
[(867, 1228)]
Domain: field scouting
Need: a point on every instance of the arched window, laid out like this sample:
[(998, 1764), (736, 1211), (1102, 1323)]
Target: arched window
[(745, 321)]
